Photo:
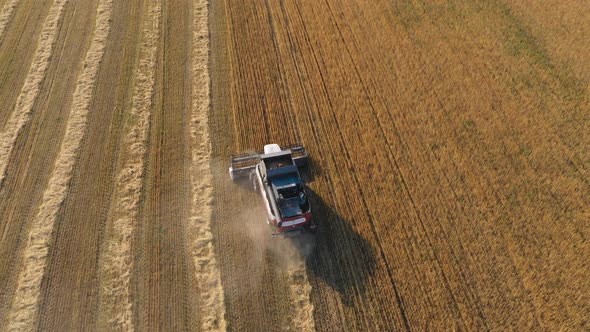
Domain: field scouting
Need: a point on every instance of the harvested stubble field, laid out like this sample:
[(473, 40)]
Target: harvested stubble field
[(449, 176), (100, 166)]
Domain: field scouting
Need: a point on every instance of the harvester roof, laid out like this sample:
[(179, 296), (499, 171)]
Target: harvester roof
[(274, 173)]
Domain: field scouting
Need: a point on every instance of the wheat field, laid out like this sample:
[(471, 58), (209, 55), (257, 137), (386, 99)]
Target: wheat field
[(449, 171), (450, 154)]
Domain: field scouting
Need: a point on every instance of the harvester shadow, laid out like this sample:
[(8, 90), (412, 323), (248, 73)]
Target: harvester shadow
[(339, 256), (311, 170)]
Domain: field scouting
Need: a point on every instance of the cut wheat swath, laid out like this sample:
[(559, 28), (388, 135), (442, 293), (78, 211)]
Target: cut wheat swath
[(300, 290), (24, 310), (207, 271), (32, 85), (6, 15), (117, 263)]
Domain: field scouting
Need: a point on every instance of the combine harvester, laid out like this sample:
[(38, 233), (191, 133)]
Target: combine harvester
[(274, 174)]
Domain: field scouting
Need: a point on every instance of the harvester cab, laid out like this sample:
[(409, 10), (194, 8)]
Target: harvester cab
[(274, 175)]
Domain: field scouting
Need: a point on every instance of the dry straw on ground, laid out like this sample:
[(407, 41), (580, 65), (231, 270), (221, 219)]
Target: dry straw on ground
[(6, 15), (202, 250), (117, 262), (300, 293), (23, 313), (30, 90)]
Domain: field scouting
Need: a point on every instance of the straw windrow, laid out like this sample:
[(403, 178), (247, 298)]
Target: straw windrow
[(202, 250)]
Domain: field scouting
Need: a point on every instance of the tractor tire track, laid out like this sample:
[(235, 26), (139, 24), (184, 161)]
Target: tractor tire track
[(211, 296), (117, 260), (23, 314), (32, 85)]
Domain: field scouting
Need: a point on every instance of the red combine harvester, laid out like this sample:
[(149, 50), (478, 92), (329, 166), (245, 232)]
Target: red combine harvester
[(274, 174)]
